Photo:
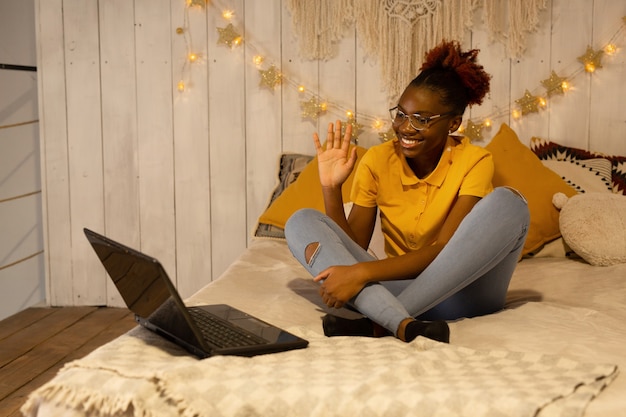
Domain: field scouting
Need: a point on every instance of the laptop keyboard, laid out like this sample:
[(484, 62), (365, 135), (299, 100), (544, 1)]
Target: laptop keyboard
[(222, 333)]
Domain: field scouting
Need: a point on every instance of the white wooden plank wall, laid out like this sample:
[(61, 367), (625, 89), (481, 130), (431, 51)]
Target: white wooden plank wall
[(184, 176), (21, 243)]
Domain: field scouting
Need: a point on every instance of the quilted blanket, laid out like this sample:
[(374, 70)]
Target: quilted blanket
[(389, 378)]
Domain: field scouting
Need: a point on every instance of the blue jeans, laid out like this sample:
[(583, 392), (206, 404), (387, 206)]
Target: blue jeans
[(469, 277)]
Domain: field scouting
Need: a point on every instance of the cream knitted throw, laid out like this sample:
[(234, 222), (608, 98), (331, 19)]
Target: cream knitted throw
[(398, 33), (142, 375)]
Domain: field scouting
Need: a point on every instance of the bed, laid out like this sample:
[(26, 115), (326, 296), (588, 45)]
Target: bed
[(556, 349)]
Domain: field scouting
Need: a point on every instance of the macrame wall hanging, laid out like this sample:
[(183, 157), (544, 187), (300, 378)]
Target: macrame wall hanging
[(398, 33)]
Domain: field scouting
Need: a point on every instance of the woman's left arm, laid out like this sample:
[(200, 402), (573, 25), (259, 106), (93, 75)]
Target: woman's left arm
[(463, 205)]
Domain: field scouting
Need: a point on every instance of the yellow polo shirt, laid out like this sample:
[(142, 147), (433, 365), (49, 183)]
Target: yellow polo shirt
[(413, 210)]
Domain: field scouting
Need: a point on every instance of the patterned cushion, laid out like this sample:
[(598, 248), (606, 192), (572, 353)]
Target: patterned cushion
[(290, 167), (586, 176), (547, 150)]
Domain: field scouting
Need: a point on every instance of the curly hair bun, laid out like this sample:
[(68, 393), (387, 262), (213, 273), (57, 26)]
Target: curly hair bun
[(448, 56)]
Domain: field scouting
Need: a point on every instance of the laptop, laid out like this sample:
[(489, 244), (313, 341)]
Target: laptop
[(204, 331)]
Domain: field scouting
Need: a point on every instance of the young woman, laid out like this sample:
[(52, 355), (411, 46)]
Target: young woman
[(452, 240)]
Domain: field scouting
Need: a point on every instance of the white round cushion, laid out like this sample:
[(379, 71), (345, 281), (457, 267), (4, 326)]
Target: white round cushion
[(594, 226)]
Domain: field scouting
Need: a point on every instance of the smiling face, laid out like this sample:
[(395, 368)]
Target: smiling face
[(423, 148)]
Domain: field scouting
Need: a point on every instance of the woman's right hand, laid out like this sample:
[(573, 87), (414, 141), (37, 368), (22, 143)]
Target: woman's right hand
[(335, 161)]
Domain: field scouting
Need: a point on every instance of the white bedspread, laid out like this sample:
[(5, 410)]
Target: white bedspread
[(550, 353)]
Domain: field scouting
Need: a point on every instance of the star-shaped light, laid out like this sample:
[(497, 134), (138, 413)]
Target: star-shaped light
[(554, 84), (592, 59), (474, 131), (388, 135), (198, 3), (528, 103), (311, 108), (229, 36), (271, 77), (356, 128)]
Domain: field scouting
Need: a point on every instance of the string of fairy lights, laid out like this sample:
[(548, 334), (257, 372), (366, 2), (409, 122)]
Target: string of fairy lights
[(313, 105)]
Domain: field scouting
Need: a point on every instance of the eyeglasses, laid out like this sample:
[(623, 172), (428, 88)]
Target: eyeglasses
[(417, 121)]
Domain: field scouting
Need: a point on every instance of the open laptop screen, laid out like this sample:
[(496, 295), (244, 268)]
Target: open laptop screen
[(145, 288)]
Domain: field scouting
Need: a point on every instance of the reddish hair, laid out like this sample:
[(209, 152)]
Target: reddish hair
[(455, 74)]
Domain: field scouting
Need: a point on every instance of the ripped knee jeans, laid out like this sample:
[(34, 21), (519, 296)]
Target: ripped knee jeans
[(475, 265), (312, 237)]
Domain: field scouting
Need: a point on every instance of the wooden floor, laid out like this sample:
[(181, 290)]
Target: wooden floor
[(37, 342)]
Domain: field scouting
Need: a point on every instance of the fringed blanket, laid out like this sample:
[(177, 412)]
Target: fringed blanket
[(342, 376)]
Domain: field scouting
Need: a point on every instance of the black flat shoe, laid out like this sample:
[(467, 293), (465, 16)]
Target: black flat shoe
[(436, 330), (339, 326)]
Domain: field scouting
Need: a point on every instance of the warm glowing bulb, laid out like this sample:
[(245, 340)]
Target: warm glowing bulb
[(378, 124), (565, 86), (610, 49), (237, 41), (301, 89), (192, 57), (323, 106), (196, 3), (487, 123), (258, 60), (517, 114), (590, 67), (228, 14), (181, 86), (349, 114), (542, 102), (461, 129)]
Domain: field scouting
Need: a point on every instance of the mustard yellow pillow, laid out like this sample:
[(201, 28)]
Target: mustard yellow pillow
[(306, 191), (518, 167)]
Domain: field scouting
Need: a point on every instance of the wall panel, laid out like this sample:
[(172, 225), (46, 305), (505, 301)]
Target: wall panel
[(54, 151), (526, 76), (19, 294), (608, 89), (24, 227), (297, 132), (191, 157), (337, 80), (153, 37), (84, 141), (370, 99), (263, 105), (571, 33), (119, 127), (19, 156), (226, 139), (492, 57)]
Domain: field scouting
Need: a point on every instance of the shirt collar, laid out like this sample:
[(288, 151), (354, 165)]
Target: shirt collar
[(436, 177)]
